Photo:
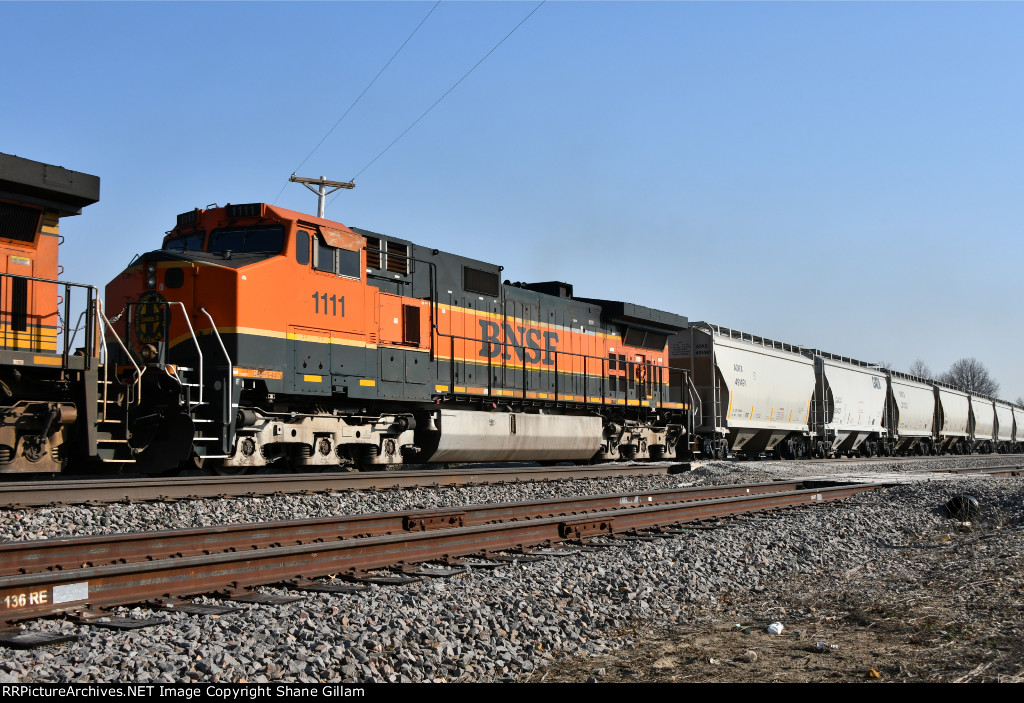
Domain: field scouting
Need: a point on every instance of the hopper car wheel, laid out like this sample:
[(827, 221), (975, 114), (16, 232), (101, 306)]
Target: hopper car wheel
[(707, 449), (783, 451), (722, 450)]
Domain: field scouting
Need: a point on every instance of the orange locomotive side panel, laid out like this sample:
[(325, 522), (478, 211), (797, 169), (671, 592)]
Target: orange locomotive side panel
[(30, 315), (477, 337)]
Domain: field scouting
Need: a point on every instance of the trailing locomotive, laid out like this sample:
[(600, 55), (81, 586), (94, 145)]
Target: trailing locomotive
[(48, 385), (259, 336)]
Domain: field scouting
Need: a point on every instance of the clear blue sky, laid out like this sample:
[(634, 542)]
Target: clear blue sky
[(845, 176)]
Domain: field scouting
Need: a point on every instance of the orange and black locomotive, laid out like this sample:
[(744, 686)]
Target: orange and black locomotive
[(258, 336), (49, 347)]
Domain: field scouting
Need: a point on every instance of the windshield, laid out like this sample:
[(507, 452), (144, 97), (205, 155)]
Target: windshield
[(188, 242), (247, 240)]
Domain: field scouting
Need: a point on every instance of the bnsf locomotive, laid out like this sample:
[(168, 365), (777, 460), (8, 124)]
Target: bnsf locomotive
[(50, 402), (259, 336)]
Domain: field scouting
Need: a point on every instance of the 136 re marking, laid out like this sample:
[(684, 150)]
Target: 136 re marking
[(20, 600)]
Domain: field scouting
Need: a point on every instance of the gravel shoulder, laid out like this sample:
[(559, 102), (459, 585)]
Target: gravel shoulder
[(904, 592)]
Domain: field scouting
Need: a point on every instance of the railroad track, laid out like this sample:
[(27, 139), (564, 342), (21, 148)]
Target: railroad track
[(890, 459), (88, 573), (113, 490)]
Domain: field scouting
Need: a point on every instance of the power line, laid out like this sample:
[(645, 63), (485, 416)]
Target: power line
[(436, 102), (360, 96)]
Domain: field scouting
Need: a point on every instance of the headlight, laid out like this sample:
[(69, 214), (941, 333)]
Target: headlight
[(151, 281)]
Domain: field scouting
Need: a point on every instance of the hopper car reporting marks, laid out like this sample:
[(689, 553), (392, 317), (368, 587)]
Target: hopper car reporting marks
[(758, 396), (261, 336)]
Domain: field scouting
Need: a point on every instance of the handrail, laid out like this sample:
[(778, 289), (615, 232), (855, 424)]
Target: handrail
[(231, 368), (64, 327), (522, 366), (195, 341), (139, 372), (229, 386), (695, 401)]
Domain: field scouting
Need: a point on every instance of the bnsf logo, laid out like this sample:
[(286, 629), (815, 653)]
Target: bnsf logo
[(527, 346)]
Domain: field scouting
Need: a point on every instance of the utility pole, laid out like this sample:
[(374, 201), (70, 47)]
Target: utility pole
[(322, 184)]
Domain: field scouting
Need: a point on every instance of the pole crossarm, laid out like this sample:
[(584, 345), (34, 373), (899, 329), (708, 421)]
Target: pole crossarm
[(320, 187)]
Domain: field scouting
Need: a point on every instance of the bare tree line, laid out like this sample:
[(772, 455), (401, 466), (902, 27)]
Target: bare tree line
[(968, 374)]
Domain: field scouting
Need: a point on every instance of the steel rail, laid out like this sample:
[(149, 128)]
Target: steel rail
[(74, 552), (68, 492), (990, 470), (49, 593)]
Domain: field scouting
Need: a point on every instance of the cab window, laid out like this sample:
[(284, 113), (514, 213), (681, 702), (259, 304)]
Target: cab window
[(336, 260), (247, 240), (186, 242)]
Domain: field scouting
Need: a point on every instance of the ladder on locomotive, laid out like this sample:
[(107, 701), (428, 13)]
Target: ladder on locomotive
[(192, 384), (113, 409)]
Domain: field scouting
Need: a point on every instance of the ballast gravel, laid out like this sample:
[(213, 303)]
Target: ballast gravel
[(505, 623)]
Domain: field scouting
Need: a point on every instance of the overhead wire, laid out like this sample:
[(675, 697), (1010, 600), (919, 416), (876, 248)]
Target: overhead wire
[(360, 96), (447, 92)]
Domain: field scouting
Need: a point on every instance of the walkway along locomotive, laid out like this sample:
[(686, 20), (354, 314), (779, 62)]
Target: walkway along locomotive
[(264, 336)]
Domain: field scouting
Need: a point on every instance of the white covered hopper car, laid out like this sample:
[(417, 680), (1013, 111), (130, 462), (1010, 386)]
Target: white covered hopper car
[(755, 396)]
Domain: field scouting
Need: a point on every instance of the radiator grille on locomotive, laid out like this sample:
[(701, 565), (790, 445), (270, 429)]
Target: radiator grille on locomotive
[(482, 282)]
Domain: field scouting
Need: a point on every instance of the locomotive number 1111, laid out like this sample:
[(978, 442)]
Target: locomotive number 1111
[(330, 304)]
